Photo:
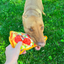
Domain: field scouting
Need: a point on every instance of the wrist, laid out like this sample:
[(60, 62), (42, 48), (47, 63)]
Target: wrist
[(11, 62)]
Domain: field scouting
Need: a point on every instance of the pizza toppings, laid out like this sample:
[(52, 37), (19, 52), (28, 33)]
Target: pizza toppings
[(27, 41), (18, 38)]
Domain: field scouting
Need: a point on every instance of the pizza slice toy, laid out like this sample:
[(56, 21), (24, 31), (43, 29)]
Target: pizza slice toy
[(27, 42)]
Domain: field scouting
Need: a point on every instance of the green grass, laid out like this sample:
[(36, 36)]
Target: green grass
[(11, 19)]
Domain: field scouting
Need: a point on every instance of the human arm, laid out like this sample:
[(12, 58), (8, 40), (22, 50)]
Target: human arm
[(12, 54)]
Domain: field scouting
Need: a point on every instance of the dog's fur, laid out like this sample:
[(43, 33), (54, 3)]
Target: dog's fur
[(33, 21)]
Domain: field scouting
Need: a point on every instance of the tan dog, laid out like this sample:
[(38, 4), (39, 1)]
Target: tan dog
[(33, 21)]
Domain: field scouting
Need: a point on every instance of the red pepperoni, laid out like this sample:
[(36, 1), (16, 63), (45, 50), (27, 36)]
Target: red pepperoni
[(17, 39), (27, 41)]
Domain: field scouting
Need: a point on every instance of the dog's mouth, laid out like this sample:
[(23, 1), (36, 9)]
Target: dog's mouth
[(37, 47)]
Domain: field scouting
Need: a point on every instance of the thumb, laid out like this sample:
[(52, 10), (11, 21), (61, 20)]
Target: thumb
[(18, 45), (17, 48)]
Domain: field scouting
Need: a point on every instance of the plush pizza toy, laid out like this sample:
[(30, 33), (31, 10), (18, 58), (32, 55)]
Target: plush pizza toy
[(27, 42)]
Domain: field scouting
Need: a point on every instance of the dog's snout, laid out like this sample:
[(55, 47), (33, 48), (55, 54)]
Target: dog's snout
[(42, 44)]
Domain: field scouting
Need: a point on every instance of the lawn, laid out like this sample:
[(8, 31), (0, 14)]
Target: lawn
[(11, 19)]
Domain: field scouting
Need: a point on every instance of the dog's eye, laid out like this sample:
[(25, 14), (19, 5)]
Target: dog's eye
[(30, 29), (42, 27)]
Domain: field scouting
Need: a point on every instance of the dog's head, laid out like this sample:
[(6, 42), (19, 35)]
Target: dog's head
[(34, 27)]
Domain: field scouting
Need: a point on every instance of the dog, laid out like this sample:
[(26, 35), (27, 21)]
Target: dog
[(33, 21)]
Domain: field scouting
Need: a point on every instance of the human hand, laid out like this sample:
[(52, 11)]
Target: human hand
[(12, 54)]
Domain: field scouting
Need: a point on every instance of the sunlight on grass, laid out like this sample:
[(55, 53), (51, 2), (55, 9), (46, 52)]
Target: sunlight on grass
[(15, 1)]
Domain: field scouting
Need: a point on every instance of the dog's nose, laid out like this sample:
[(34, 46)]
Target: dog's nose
[(41, 44)]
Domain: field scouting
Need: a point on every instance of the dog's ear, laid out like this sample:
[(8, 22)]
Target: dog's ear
[(43, 13), (24, 16), (23, 19), (43, 10)]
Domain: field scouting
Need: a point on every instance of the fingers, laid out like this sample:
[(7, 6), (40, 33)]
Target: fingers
[(16, 62), (9, 47), (17, 48), (18, 45)]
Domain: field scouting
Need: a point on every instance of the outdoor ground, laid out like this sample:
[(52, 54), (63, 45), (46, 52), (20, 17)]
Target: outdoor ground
[(11, 19)]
